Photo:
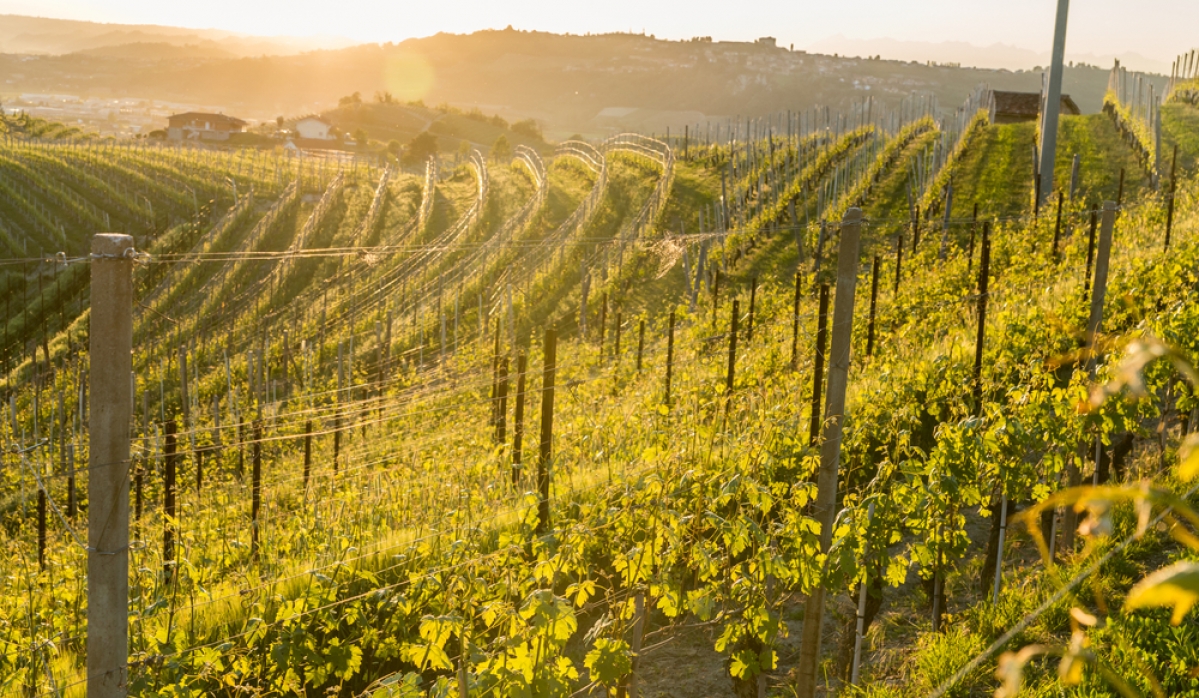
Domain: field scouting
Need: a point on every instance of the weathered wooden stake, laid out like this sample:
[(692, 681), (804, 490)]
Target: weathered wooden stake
[(669, 358), (640, 342), (168, 501), (547, 430), (111, 356), (518, 419), (307, 452), (818, 370), (898, 262), (501, 421), (795, 324), (873, 306), (728, 387), (1090, 251), (753, 295), (825, 508), (256, 489), (1173, 190), (616, 339), (1057, 227), (41, 529), (984, 272)]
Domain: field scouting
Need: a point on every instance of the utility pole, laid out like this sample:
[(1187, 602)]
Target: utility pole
[(109, 417), (1053, 103)]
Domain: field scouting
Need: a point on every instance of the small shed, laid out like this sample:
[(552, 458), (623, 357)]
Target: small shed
[(1014, 107)]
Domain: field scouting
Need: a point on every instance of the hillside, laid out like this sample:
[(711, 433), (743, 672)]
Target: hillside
[(356, 469), (563, 81)]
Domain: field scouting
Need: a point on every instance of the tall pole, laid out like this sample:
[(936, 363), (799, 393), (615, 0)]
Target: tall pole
[(830, 447), (109, 414), (1053, 104)]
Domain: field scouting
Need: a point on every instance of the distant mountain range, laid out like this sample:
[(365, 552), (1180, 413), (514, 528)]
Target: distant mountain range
[(39, 35)]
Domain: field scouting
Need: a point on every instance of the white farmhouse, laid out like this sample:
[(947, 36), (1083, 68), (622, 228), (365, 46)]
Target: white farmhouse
[(314, 128)]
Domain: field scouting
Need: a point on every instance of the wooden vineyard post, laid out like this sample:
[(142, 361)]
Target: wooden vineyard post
[(984, 270), (1074, 167), (307, 452), (1120, 190), (898, 263), (518, 419), (199, 469), (616, 337), (860, 630), (715, 294), (873, 306), (72, 505), (1170, 201), (669, 358), (818, 369), (830, 448), (1057, 227), (603, 325), (640, 342), (547, 430), (256, 489), (501, 414), (169, 446), (970, 250), (1086, 286), (1094, 324), (728, 386), (41, 528), (110, 409), (749, 325), (795, 324)]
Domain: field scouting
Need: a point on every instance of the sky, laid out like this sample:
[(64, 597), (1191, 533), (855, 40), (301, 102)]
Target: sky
[(1156, 29)]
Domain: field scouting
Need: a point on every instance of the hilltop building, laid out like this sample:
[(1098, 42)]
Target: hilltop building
[(200, 126), (314, 128), (1014, 107)]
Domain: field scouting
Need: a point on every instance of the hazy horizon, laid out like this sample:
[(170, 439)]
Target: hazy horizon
[(1013, 34)]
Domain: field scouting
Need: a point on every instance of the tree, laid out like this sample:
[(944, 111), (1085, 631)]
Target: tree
[(420, 148), (528, 127), (384, 97), (360, 137), (501, 150), (355, 98), (279, 122), (393, 147)]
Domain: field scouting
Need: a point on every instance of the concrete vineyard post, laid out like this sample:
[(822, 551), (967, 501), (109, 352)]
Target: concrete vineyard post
[(1053, 104), (669, 358), (170, 444), (110, 409), (256, 489), (873, 306), (818, 368), (830, 448), (728, 387), (549, 369), (518, 419), (999, 552)]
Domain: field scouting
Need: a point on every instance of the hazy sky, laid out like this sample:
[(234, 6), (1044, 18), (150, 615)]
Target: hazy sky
[(1158, 29)]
